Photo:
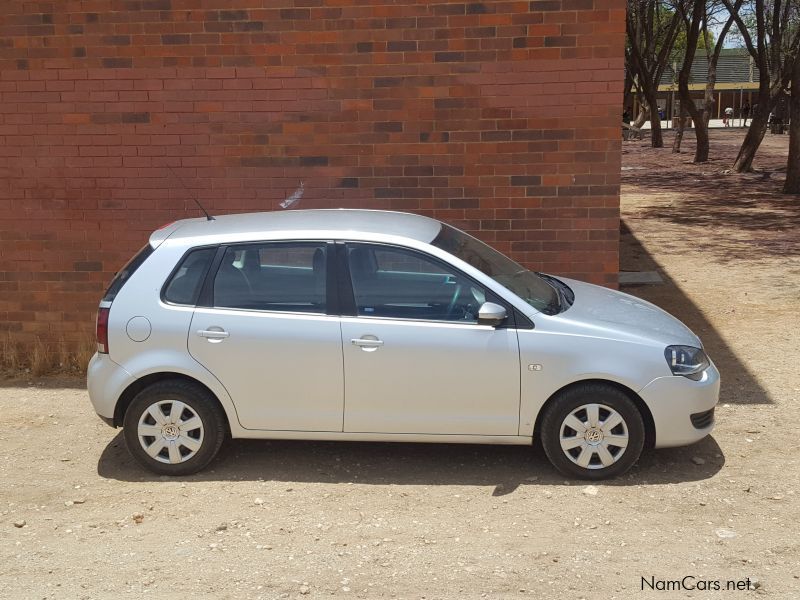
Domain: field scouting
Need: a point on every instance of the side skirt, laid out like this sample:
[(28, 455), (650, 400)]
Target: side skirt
[(515, 440)]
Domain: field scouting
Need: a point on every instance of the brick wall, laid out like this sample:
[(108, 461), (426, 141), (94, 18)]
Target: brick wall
[(501, 117)]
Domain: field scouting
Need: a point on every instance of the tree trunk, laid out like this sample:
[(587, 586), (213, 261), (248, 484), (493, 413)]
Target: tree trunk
[(755, 134), (700, 124), (708, 109), (687, 103), (644, 113), (708, 97), (792, 185), (627, 95), (626, 103), (711, 80), (676, 144), (703, 144), (656, 137)]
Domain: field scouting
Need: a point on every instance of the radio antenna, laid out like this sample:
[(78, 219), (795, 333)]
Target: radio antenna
[(196, 201)]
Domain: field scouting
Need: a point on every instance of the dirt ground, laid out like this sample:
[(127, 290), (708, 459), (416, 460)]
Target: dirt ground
[(78, 519)]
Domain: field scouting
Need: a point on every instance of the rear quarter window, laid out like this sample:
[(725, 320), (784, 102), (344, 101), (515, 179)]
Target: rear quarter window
[(184, 285), (126, 272)]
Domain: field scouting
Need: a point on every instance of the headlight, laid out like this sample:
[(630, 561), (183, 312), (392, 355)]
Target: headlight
[(687, 361)]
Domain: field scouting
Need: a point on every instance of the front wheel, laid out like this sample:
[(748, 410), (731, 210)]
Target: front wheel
[(592, 431), (174, 427)]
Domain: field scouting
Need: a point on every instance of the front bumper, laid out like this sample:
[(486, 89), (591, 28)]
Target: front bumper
[(673, 401), (106, 381)]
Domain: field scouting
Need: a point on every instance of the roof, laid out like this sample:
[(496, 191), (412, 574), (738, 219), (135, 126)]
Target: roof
[(734, 67), (340, 222)]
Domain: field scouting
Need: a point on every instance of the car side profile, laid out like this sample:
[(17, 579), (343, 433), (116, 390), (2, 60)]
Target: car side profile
[(383, 326)]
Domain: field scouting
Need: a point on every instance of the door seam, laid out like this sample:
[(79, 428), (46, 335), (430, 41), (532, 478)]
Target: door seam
[(344, 373)]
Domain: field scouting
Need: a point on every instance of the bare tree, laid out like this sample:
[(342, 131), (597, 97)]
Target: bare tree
[(652, 27), (792, 185), (692, 22), (712, 57), (774, 49), (676, 143), (627, 97), (644, 108), (696, 23)]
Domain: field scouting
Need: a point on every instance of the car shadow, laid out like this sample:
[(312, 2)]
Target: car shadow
[(503, 468)]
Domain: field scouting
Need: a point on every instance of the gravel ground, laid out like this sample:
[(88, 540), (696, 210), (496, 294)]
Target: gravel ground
[(297, 519)]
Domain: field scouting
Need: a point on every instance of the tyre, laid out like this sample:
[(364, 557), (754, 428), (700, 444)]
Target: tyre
[(174, 427), (592, 431)]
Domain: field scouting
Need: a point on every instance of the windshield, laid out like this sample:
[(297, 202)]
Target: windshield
[(529, 286)]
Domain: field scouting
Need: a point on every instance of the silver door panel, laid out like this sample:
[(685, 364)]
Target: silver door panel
[(283, 371), (430, 377)]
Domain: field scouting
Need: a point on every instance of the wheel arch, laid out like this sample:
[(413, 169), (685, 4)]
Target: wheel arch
[(644, 410), (140, 384)]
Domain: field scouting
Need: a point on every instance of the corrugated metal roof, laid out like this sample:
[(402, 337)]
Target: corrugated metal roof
[(733, 67)]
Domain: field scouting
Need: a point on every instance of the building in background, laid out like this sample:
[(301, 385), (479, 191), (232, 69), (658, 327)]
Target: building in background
[(499, 117), (736, 86)]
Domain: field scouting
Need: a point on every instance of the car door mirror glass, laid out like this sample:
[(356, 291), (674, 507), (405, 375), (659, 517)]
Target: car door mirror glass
[(491, 314)]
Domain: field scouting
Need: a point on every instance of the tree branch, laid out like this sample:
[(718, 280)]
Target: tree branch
[(748, 41), (724, 32)]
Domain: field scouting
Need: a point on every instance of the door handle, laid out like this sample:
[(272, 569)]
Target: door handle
[(213, 334), (366, 343)]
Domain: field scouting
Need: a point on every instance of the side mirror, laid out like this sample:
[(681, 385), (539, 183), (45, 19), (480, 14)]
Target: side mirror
[(491, 314)]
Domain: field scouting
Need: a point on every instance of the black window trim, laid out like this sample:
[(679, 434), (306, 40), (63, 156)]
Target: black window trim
[(347, 293), (340, 298), (132, 265), (344, 282), (177, 267), (206, 298)]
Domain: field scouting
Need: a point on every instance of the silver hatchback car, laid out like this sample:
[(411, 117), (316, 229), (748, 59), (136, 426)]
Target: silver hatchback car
[(382, 326)]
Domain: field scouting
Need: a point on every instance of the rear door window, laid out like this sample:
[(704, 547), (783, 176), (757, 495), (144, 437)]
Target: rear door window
[(278, 276)]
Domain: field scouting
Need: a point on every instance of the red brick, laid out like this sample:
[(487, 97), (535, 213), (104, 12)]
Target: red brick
[(496, 116)]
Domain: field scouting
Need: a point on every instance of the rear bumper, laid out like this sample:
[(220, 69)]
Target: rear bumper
[(681, 407), (106, 381), (108, 421)]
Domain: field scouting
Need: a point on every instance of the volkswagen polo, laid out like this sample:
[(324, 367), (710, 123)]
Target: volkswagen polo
[(383, 326)]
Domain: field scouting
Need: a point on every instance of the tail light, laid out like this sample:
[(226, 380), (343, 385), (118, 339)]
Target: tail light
[(102, 329)]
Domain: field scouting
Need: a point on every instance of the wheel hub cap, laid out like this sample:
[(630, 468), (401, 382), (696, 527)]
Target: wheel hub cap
[(170, 431), (594, 436)]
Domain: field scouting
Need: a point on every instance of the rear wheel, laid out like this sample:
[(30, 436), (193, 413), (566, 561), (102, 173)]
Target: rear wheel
[(592, 431), (174, 427)]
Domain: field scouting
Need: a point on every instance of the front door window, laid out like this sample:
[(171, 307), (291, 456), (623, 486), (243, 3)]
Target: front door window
[(399, 283)]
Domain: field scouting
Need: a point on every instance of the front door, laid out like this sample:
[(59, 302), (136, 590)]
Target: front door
[(416, 361), (268, 339)]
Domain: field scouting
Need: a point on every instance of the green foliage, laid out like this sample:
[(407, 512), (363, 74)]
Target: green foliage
[(658, 20), (679, 48)]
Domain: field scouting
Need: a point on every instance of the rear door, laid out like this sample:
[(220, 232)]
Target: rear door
[(268, 333), (416, 360)]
